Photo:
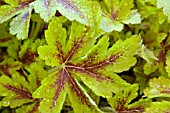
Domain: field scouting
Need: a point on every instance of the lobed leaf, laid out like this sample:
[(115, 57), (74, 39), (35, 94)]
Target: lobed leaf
[(77, 56), (118, 13)]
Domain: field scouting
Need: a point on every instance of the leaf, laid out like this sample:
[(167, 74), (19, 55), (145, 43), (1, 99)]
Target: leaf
[(159, 107), (121, 101), (78, 57), (168, 65), (46, 8), (9, 65), (165, 5), (158, 87), (17, 90), (118, 13), (146, 54), (19, 24), (85, 12)]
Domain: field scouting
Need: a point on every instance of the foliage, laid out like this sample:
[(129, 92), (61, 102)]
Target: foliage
[(77, 56)]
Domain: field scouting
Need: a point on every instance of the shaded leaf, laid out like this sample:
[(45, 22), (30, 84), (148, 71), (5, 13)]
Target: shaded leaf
[(168, 65), (121, 101)]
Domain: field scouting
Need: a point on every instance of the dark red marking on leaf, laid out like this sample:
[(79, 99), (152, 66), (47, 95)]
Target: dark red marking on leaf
[(114, 14), (121, 103), (58, 14), (35, 107), (70, 5), (21, 6), (133, 110), (23, 74), (29, 57), (5, 70), (166, 91), (122, 109), (60, 84), (25, 16), (91, 69), (76, 89), (92, 73), (76, 45), (5, 40), (61, 53), (21, 92), (38, 82), (162, 54), (104, 63)]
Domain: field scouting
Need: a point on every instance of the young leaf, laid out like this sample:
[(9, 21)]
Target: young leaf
[(146, 54), (121, 101), (165, 4), (77, 56), (119, 13), (158, 87)]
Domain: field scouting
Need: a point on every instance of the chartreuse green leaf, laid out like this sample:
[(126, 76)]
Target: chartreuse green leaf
[(146, 54), (17, 89), (78, 56), (158, 107), (158, 87), (119, 12), (121, 101), (165, 4)]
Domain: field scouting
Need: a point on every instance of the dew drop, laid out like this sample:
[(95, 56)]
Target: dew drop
[(6, 103), (90, 83)]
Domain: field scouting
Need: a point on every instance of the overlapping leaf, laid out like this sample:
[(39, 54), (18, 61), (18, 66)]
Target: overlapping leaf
[(158, 87), (119, 12), (79, 56), (86, 12), (165, 4)]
